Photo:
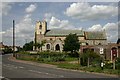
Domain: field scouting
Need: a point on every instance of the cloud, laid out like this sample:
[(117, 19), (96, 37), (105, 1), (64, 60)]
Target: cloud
[(97, 27), (84, 11), (6, 7), (31, 8), (55, 23), (110, 28), (47, 16), (24, 29)]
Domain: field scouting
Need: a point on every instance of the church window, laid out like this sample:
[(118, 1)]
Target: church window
[(48, 46), (99, 44), (87, 44), (40, 32), (59, 38), (40, 27), (50, 38), (57, 47)]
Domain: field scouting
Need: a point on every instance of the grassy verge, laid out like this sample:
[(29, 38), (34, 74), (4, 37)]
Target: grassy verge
[(66, 63), (85, 68)]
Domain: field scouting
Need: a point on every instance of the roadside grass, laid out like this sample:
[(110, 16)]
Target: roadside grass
[(76, 66), (67, 64)]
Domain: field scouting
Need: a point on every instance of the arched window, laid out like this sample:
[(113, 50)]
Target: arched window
[(40, 27), (87, 44), (50, 38), (99, 44), (57, 47), (48, 46)]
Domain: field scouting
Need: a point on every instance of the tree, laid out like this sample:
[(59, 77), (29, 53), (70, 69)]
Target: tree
[(28, 46), (89, 56), (7, 50), (39, 45), (71, 43)]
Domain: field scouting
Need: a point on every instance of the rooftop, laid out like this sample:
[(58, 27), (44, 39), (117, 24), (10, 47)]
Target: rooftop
[(95, 35), (64, 32)]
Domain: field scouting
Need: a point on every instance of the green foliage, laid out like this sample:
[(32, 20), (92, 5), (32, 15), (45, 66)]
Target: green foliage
[(94, 58), (52, 56), (28, 46), (118, 63), (62, 61), (68, 66), (44, 56), (108, 65), (71, 59), (71, 43), (39, 45), (24, 52), (7, 50)]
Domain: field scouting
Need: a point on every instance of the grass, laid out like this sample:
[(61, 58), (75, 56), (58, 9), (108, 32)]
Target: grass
[(71, 59), (67, 65)]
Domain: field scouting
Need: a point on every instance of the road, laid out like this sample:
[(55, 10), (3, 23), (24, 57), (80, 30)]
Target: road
[(12, 69)]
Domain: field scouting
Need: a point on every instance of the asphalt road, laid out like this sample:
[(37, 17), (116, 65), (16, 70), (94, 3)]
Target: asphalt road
[(11, 69)]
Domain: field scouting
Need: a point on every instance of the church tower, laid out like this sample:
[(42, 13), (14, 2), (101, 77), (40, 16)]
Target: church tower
[(41, 27), (40, 30)]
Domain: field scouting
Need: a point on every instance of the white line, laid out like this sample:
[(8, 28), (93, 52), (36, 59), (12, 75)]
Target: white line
[(46, 73), (21, 67), (10, 66)]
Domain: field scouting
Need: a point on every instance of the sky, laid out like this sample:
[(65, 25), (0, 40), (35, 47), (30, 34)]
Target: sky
[(86, 16)]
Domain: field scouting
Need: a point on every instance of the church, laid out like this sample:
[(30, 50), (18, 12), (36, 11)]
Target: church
[(54, 38)]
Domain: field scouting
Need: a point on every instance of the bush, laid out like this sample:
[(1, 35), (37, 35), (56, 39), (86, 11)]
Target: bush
[(118, 63), (43, 56), (108, 65), (24, 52), (118, 66)]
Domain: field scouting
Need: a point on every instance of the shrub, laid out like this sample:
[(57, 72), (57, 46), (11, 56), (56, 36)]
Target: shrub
[(52, 56), (108, 65), (118, 66)]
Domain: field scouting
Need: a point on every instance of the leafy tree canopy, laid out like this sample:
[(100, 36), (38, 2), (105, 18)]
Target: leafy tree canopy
[(71, 43), (28, 46)]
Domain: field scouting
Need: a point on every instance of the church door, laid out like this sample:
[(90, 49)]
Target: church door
[(57, 47)]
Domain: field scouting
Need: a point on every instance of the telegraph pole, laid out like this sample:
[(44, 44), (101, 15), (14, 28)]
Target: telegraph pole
[(13, 38)]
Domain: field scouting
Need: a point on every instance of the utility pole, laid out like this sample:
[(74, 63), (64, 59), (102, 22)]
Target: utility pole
[(13, 38)]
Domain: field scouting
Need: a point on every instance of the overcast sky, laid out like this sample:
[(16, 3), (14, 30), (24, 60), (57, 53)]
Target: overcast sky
[(88, 16)]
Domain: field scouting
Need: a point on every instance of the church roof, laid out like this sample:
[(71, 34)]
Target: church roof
[(64, 32), (95, 35)]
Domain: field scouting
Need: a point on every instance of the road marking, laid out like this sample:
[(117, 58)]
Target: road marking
[(21, 67), (46, 73), (13, 66), (10, 66)]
